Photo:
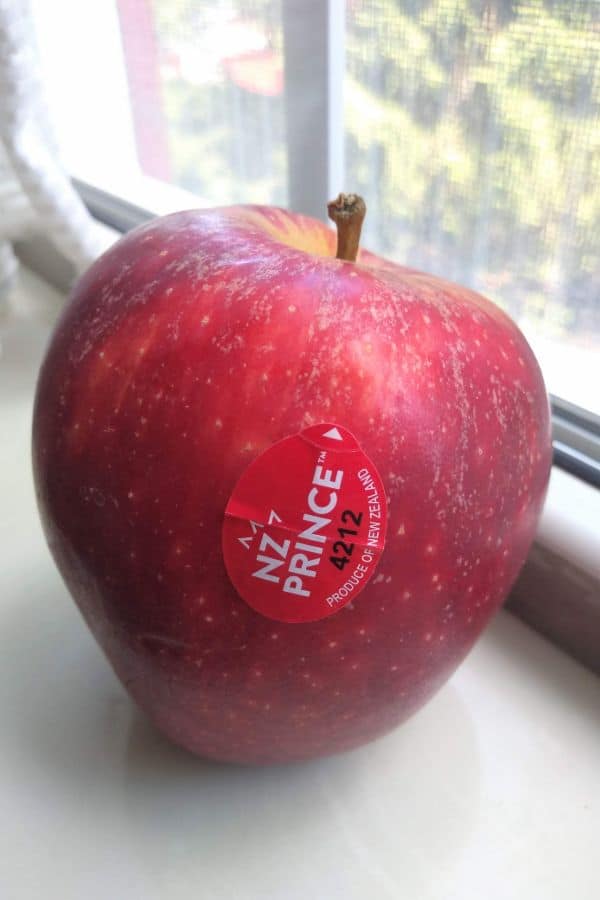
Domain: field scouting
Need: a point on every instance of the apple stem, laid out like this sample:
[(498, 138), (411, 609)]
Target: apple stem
[(348, 212)]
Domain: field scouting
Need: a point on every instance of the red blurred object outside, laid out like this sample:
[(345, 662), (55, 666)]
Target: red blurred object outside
[(259, 72)]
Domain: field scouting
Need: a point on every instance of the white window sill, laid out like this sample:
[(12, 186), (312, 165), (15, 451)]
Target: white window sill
[(491, 790)]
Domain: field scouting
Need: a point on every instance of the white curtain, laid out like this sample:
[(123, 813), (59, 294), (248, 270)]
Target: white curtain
[(36, 195)]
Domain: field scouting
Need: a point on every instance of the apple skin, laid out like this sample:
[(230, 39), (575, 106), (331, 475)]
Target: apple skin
[(190, 347)]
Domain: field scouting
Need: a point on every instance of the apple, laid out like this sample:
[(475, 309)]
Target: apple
[(217, 377)]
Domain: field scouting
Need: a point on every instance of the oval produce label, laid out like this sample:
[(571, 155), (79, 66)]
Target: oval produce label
[(305, 525)]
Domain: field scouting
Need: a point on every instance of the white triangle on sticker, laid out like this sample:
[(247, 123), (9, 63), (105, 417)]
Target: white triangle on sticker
[(273, 517), (333, 433)]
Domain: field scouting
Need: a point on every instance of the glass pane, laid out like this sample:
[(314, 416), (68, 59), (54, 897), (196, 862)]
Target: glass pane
[(217, 71), (149, 95), (473, 128)]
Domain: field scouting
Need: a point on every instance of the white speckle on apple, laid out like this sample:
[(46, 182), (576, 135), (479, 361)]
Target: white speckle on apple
[(205, 320), (427, 636), (406, 595), (291, 308), (208, 618), (333, 645), (435, 577), (218, 424), (401, 530)]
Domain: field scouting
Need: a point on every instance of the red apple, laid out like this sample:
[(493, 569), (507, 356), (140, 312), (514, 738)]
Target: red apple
[(185, 353)]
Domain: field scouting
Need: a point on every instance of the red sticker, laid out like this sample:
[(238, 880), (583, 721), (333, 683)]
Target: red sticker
[(305, 526)]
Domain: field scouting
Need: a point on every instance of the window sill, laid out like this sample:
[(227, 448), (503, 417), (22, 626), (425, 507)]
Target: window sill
[(558, 590)]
